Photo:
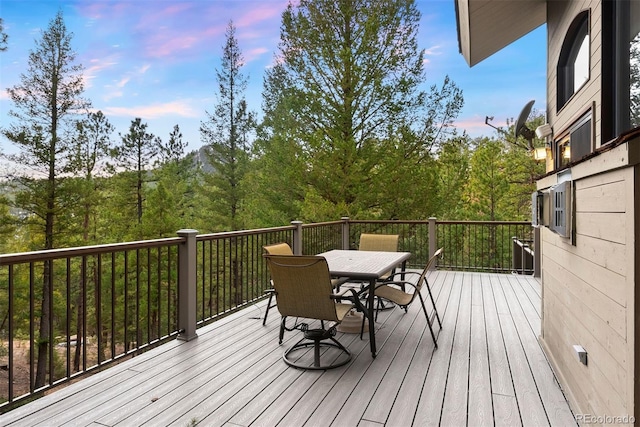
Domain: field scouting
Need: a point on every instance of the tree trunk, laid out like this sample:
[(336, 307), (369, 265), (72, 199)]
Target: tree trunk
[(47, 280), (44, 327), (237, 282), (79, 324)]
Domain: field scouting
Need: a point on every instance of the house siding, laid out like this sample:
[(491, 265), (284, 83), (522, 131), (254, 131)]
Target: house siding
[(589, 283), (589, 295)]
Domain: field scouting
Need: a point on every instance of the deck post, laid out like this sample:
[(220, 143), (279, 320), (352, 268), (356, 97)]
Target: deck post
[(433, 238), (345, 233), (517, 255), (187, 301), (297, 237), (537, 252)]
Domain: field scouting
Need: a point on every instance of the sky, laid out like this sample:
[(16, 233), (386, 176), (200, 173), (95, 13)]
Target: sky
[(156, 59)]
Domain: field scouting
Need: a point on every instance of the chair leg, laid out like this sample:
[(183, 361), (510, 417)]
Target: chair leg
[(282, 328), (433, 302), (266, 312), (424, 309)]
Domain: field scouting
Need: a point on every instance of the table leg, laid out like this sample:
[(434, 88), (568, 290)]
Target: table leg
[(371, 310)]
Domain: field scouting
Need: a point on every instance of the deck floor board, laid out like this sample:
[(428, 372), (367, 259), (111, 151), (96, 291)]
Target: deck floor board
[(488, 369)]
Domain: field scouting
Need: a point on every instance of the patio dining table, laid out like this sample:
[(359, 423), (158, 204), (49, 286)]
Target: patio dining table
[(367, 266)]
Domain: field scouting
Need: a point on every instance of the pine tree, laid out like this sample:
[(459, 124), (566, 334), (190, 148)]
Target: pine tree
[(47, 101), (93, 142), (348, 100), (226, 135), (169, 202), (132, 160), (453, 174)]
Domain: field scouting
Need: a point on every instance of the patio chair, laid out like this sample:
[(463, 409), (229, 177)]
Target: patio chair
[(390, 290), (303, 289), (285, 249), (275, 249), (380, 242)]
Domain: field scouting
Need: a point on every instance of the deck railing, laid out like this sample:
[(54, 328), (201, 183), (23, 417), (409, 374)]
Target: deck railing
[(67, 312)]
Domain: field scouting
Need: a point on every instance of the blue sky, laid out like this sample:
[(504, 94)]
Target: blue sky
[(155, 59)]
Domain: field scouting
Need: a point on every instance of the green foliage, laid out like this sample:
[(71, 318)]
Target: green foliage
[(347, 123), (226, 135), (487, 180), (7, 224), (452, 174), (46, 103), (132, 159), (173, 193)]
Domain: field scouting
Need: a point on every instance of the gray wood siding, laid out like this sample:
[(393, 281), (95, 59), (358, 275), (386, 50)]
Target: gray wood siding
[(589, 294), (560, 15)]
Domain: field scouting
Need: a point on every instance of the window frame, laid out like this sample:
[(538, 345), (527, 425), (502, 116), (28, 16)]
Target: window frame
[(616, 87), (578, 32), (565, 141)]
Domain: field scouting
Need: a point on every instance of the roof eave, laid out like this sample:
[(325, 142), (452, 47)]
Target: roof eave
[(487, 26)]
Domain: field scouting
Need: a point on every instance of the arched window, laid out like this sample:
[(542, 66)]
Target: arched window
[(573, 64)]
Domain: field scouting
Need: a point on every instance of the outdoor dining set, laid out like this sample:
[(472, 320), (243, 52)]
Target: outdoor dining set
[(322, 291)]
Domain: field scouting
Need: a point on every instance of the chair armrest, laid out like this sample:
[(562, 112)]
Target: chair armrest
[(354, 298), (340, 294), (337, 281), (400, 283), (403, 272)]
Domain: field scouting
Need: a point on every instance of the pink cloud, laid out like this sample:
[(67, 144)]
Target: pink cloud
[(96, 65), (255, 53), (102, 9), (470, 122), (164, 45), (155, 111), (263, 12), (475, 126), (184, 29)]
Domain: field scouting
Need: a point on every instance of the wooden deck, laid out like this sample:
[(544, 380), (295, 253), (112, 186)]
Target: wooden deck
[(488, 369)]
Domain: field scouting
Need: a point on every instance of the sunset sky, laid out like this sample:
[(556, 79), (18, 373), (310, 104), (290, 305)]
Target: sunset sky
[(155, 59)]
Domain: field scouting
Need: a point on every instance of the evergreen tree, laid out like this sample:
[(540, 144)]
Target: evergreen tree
[(277, 175), (173, 150), (226, 135), (7, 224), (47, 101), (488, 181), (169, 206), (349, 95), (453, 174), (93, 145), (93, 142), (523, 172), (133, 159)]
